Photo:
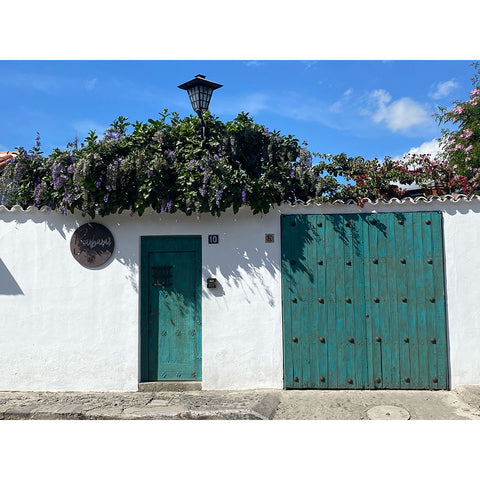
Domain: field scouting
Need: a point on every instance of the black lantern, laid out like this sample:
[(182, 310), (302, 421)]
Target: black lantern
[(200, 92)]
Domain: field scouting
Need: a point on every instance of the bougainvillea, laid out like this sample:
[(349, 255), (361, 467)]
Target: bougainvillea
[(461, 143)]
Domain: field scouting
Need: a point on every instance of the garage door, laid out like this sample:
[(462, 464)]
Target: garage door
[(363, 301)]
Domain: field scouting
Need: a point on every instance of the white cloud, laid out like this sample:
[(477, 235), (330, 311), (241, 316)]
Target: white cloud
[(309, 63), (253, 104), (82, 127), (431, 147), (381, 97), (42, 83), (90, 84), (337, 107), (400, 115), (443, 89)]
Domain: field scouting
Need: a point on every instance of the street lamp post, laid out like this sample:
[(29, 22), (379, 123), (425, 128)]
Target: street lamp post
[(200, 93)]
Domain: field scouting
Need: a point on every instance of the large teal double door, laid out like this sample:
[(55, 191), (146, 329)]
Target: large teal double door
[(171, 308), (363, 301)]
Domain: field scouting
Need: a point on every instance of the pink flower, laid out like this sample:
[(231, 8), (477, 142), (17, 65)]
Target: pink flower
[(466, 133), (458, 147), (469, 148), (475, 92), (458, 109)]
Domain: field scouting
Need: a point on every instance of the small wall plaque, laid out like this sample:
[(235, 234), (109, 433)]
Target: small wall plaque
[(269, 238), (211, 283), (92, 244), (213, 239)]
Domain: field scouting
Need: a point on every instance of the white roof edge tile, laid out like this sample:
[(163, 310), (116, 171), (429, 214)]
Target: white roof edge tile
[(400, 201), (406, 200)]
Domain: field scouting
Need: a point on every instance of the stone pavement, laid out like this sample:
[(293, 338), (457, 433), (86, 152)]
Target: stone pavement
[(204, 405), (461, 403)]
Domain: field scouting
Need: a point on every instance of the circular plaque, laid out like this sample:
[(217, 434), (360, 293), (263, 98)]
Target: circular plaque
[(92, 244)]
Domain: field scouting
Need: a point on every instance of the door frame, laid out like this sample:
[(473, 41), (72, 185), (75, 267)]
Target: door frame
[(143, 303)]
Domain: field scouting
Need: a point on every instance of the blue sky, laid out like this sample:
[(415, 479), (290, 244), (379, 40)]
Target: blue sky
[(367, 108)]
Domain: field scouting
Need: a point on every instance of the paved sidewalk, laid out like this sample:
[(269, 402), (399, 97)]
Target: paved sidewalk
[(202, 405), (460, 404)]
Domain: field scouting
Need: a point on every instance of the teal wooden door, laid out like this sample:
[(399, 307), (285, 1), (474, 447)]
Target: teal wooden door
[(171, 308), (363, 301)]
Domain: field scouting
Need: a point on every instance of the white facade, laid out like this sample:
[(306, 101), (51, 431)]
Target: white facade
[(66, 327)]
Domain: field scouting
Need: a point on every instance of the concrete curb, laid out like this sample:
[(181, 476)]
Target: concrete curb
[(17, 414), (154, 409)]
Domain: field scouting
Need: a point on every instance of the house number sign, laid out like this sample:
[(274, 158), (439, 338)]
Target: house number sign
[(92, 244)]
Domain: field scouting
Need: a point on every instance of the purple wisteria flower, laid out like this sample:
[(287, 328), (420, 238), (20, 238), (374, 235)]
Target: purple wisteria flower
[(58, 179), (70, 169), (18, 172), (98, 184), (244, 195), (169, 206), (170, 153), (267, 131), (37, 194), (216, 157), (37, 140), (218, 196), (202, 191), (113, 135), (105, 198)]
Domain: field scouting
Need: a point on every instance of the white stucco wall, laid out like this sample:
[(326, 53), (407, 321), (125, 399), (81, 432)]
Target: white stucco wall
[(66, 327)]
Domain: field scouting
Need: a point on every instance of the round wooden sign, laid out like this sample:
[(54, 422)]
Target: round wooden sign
[(92, 244)]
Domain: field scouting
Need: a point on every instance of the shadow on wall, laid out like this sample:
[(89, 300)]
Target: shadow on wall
[(52, 220), (8, 284), (249, 270), (132, 267), (65, 225)]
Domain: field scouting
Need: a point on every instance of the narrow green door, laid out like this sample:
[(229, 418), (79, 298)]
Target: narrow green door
[(171, 308), (363, 301)]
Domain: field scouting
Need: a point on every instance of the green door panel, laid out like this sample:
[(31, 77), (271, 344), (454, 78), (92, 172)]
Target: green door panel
[(363, 301), (170, 308)]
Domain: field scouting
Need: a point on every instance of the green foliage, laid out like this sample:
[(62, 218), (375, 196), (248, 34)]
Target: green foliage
[(461, 142), (164, 164)]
